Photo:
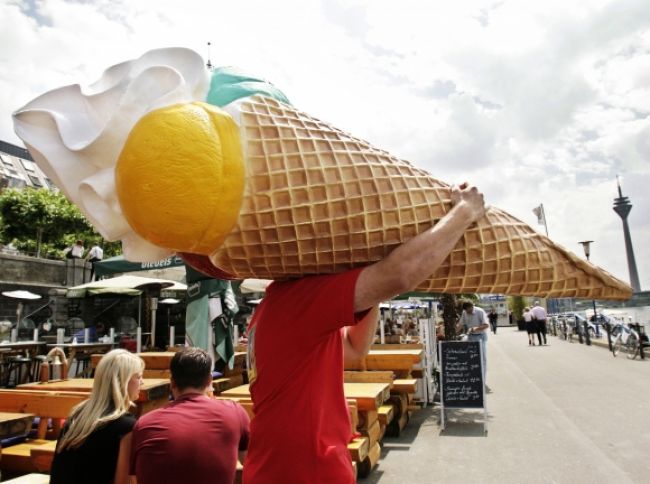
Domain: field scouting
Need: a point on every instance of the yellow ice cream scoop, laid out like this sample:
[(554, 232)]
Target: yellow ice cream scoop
[(180, 177)]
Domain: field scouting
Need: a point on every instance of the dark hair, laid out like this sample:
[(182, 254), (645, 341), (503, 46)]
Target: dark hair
[(467, 304), (191, 368)]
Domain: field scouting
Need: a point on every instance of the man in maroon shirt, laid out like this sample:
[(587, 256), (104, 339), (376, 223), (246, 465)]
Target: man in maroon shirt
[(193, 439), (299, 337)]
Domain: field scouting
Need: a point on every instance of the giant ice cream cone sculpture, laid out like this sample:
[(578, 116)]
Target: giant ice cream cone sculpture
[(265, 190)]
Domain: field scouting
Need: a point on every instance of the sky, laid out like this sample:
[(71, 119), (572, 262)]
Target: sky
[(533, 102)]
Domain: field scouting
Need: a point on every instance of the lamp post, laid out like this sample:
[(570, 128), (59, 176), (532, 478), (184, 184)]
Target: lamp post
[(586, 246)]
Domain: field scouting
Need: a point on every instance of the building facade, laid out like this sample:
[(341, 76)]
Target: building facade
[(18, 170)]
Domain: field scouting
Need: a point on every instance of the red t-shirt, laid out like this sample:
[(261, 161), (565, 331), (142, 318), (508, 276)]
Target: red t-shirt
[(192, 439), (301, 427)]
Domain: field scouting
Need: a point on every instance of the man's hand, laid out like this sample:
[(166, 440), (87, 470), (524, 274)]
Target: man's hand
[(416, 259), (468, 199)]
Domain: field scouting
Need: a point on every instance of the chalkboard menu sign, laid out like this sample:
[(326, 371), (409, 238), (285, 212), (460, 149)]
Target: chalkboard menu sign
[(462, 376)]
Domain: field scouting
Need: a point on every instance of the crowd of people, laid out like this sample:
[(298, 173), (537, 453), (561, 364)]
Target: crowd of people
[(77, 251), (195, 438), (302, 426)]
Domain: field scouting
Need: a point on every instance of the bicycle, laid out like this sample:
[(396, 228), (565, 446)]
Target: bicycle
[(625, 338)]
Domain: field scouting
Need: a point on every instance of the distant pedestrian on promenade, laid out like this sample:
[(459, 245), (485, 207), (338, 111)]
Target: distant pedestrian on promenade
[(530, 327), (494, 318), (95, 254), (475, 323), (539, 316)]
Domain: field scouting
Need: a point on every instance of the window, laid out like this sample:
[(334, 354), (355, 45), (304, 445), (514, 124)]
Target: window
[(28, 165), (35, 181), (15, 182), (6, 161)]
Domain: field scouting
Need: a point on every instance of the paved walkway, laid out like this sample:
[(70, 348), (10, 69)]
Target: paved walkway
[(563, 413)]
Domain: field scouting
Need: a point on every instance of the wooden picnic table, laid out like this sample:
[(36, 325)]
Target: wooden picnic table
[(20, 346), (160, 360), (14, 424), (369, 396), (154, 392), (398, 359)]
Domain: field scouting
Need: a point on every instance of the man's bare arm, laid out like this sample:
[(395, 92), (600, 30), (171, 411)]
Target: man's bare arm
[(358, 338), (418, 258)]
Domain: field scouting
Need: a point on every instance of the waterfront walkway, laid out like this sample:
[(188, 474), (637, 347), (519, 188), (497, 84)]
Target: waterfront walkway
[(563, 413)]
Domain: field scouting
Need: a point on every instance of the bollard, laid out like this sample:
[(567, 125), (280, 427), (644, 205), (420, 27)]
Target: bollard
[(44, 375), (640, 330), (587, 337), (579, 330)]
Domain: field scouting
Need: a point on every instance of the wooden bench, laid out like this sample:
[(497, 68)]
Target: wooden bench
[(43, 455), (46, 405), (154, 392)]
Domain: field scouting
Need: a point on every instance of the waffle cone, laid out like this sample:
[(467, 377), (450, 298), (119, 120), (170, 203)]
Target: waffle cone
[(320, 201)]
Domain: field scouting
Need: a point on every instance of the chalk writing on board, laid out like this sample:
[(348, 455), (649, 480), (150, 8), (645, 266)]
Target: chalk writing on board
[(462, 376)]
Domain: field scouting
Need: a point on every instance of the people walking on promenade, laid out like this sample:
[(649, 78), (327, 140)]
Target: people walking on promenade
[(539, 316), (494, 318), (530, 327)]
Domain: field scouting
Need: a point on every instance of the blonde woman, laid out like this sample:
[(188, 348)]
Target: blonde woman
[(95, 443)]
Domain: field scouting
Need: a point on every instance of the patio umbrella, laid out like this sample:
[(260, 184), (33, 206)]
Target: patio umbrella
[(131, 286), (254, 285), (21, 296)]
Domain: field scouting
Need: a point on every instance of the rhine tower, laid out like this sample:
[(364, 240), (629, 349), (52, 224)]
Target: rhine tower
[(622, 207)]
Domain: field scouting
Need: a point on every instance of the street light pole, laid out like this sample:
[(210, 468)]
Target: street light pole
[(586, 246)]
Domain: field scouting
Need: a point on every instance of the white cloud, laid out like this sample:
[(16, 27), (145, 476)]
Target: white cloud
[(534, 101)]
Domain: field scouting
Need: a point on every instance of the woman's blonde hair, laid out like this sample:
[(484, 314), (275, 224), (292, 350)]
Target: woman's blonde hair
[(108, 400)]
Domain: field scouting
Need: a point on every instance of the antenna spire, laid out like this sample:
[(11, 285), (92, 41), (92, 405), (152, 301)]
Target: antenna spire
[(209, 64)]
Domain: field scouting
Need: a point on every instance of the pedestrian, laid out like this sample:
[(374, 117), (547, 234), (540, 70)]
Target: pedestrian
[(196, 438), (77, 250), (95, 441), (301, 427), (476, 326), (531, 327), (95, 254), (539, 316), (493, 318)]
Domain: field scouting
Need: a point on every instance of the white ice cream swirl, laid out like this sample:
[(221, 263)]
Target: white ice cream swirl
[(76, 134)]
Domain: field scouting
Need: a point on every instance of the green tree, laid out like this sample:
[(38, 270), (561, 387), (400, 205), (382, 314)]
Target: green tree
[(43, 222), (517, 305)]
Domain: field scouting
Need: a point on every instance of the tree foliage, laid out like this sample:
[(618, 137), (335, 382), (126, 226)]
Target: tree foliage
[(43, 222), (517, 305)]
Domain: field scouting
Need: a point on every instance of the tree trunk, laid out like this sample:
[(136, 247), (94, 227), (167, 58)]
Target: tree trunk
[(39, 240), (449, 315)]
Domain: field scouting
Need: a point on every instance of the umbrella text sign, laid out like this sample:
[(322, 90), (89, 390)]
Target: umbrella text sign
[(119, 264)]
